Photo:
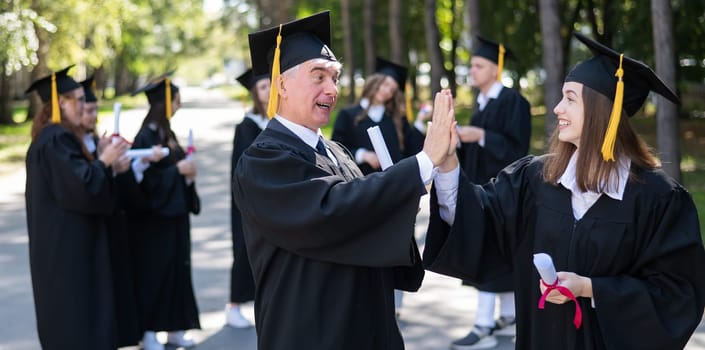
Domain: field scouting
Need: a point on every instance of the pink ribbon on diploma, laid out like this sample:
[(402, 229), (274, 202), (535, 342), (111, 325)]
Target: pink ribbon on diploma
[(578, 319)]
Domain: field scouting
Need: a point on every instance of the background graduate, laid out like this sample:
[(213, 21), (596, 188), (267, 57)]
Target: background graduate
[(623, 235), (498, 134), (381, 104), (242, 285), (327, 246), (69, 196), (161, 234)]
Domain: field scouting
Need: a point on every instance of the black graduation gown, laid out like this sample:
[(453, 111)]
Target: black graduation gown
[(327, 248), (507, 124), (118, 241), (354, 137), (129, 332), (161, 242), (644, 255), (68, 200), (242, 284)]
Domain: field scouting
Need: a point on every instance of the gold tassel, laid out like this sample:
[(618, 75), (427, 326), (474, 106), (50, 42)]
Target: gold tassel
[(168, 98), (500, 62), (615, 116), (407, 95), (274, 88), (55, 111)]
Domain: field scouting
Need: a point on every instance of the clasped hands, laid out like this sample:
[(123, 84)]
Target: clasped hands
[(441, 136)]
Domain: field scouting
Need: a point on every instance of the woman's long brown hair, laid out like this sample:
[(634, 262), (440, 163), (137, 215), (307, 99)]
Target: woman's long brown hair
[(592, 172), (394, 107), (43, 119), (258, 105)]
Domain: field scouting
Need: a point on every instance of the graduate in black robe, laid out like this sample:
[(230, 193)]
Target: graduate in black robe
[(623, 235), (327, 246), (242, 284), (69, 196), (382, 105), (498, 134), (161, 234), (118, 238)]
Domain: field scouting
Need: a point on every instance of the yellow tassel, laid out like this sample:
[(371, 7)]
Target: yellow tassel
[(500, 62), (55, 111), (168, 98), (407, 95), (274, 88), (615, 116)]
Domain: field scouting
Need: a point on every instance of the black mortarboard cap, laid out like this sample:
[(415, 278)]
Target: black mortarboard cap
[(155, 89), (279, 48), (88, 89), (598, 73), (395, 71), (625, 81), (249, 79), (490, 50), (302, 40), (160, 89), (64, 84)]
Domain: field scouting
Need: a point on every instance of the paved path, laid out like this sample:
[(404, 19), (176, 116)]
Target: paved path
[(430, 319)]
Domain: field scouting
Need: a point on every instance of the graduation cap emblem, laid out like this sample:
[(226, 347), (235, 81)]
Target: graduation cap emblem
[(325, 51)]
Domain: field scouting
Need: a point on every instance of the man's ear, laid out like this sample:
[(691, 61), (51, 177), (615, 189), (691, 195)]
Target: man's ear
[(281, 86)]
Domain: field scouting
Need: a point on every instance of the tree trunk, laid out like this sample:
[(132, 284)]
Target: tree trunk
[(396, 38), (434, 50), (368, 33), (472, 22), (666, 111), (5, 96), (552, 60), (41, 69), (348, 48)]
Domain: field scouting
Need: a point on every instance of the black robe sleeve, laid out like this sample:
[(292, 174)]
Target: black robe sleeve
[(512, 141), (164, 187), (76, 184), (344, 130), (658, 303), (325, 217)]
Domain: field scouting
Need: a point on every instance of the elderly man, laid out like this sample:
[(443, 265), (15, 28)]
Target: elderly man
[(327, 246)]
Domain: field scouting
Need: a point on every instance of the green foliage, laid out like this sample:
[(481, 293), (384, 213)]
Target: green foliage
[(18, 38)]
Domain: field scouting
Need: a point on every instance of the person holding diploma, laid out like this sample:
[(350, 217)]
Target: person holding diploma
[(327, 245), (624, 237), (382, 105), (242, 285), (69, 196), (161, 238)]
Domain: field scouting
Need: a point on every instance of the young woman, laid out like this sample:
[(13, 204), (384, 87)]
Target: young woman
[(242, 285), (624, 236), (381, 104), (161, 241), (69, 197)]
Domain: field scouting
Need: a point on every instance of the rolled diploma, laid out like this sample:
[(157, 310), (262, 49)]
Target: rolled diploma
[(117, 107), (385, 160), (144, 152), (544, 265)]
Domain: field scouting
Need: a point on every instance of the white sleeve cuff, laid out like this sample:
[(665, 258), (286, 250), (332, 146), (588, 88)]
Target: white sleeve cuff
[(138, 169), (358, 155), (420, 126), (426, 168), (447, 193), (481, 142)]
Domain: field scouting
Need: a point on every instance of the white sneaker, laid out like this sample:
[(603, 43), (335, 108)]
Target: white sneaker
[(234, 318), (150, 342), (180, 339)]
